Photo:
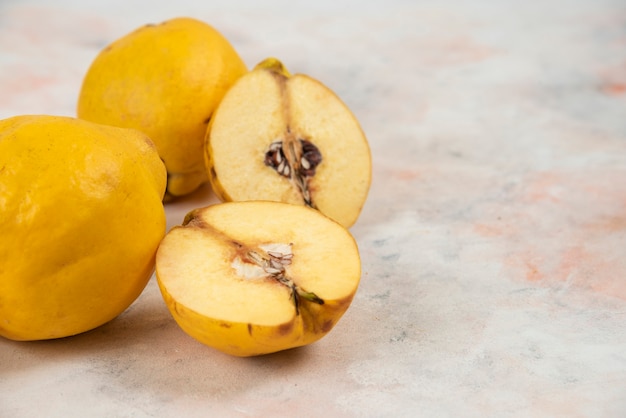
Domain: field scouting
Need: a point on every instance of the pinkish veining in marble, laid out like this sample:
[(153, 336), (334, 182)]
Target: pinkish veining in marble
[(493, 242)]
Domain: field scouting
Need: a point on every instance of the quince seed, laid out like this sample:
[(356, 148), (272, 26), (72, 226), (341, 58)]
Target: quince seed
[(272, 270)]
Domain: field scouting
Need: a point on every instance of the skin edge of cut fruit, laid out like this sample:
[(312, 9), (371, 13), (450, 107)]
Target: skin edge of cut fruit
[(247, 339)]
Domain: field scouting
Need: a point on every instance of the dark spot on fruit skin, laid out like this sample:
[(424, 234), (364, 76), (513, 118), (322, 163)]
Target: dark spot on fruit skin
[(207, 120), (327, 325), (150, 143), (224, 325), (285, 328), (250, 329)]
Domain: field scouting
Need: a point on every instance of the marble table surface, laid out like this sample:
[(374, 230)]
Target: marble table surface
[(493, 241)]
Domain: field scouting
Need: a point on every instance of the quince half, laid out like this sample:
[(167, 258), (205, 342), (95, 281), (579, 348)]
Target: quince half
[(81, 217), (288, 138), (257, 277), (165, 80)]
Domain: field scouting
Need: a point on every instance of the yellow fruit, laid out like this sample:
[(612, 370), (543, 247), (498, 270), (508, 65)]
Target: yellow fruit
[(166, 81), (81, 217), (251, 278), (288, 138)]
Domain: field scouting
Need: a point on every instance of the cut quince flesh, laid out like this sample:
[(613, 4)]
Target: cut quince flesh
[(282, 137), (251, 278)]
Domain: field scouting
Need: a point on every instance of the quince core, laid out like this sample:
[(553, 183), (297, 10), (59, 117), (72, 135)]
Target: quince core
[(251, 278)]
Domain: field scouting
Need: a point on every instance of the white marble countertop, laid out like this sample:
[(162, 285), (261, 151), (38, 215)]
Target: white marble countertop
[(493, 241)]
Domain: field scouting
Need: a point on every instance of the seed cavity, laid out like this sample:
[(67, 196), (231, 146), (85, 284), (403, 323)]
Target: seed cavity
[(311, 156), (272, 260), (297, 160)]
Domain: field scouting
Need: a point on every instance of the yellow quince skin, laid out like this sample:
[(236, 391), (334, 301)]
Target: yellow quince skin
[(81, 217), (166, 80)]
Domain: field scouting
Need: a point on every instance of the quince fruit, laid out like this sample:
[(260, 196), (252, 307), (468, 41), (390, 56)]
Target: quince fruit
[(288, 138), (257, 277), (81, 217), (165, 80)]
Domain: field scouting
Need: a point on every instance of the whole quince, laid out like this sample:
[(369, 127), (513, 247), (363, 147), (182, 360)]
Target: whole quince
[(166, 80), (81, 217)]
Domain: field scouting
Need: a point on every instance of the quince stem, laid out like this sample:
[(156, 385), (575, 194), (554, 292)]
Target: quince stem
[(274, 65)]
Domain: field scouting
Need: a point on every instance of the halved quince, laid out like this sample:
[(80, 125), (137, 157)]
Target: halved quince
[(251, 278), (165, 80), (289, 138)]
